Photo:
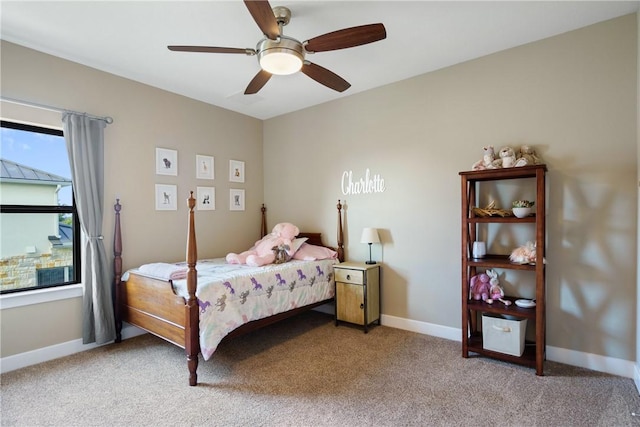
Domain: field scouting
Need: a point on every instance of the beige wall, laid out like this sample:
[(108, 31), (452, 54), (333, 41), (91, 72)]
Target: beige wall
[(40, 325), (144, 118), (572, 97)]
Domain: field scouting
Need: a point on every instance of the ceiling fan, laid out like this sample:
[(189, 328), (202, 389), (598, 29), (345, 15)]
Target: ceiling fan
[(282, 55)]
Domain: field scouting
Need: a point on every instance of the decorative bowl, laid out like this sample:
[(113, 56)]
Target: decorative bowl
[(525, 303), (521, 212)]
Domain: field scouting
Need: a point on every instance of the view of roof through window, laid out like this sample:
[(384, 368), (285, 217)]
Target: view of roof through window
[(44, 157)]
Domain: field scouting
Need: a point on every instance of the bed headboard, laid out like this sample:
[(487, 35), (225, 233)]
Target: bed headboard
[(312, 238)]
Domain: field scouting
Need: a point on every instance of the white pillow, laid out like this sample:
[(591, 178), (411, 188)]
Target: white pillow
[(295, 245), (312, 252)]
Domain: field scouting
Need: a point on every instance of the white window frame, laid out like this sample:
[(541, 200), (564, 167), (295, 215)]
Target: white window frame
[(38, 296)]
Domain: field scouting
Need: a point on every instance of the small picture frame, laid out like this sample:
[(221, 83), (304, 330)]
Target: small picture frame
[(236, 171), (166, 162), (206, 198), (204, 167), (166, 197), (236, 200)]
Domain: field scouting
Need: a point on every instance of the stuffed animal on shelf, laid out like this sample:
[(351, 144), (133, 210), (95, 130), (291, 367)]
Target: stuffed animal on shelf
[(527, 156), (525, 254), (496, 293), (507, 157), (487, 161), (262, 253), (479, 287)]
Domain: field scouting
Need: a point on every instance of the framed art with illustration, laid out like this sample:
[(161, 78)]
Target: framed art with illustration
[(204, 167), (236, 171), (166, 197), (166, 162), (206, 197), (236, 200)]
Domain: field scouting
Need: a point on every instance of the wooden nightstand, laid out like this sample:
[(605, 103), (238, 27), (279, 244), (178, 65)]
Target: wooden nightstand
[(357, 293)]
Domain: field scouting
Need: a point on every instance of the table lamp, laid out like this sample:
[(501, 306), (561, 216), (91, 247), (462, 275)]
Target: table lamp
[(370, 236)]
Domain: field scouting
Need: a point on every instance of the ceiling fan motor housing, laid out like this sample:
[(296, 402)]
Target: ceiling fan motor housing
[(282, 56)]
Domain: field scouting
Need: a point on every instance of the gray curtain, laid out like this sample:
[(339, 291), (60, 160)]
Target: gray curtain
[(85, 144)]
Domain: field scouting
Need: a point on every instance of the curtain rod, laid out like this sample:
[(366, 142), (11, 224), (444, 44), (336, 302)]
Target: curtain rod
[(107, 119)]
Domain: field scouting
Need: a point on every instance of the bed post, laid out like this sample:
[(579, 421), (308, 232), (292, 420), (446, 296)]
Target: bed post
[(192, 327), (340, 234), (117, 269), (263, 226)]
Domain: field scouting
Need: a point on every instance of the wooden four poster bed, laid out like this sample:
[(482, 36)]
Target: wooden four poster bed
[(154, 305)]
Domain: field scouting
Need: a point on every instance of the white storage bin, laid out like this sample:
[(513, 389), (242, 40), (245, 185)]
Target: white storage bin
[(503, 335)]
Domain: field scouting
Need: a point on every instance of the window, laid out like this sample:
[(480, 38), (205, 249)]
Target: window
[(39, 226)]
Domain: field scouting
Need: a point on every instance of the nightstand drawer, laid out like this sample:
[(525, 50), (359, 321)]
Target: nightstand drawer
[(349, 276)]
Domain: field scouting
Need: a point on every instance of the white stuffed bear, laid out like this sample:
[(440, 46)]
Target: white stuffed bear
[(507, 157)]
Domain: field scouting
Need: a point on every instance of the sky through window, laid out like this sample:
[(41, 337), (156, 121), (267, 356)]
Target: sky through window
[(39, 151)]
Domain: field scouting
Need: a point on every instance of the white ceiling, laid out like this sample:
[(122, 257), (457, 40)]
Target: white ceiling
[(130, 38)]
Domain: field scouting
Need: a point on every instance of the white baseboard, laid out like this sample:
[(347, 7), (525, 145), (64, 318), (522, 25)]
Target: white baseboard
[(17, 361), (453, 334), (609, 365), (595, 362)]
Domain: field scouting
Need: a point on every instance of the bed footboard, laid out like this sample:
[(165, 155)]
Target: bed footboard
[(152, 305)]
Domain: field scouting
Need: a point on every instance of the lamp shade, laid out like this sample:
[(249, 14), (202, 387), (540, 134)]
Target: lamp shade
[(370, 235)]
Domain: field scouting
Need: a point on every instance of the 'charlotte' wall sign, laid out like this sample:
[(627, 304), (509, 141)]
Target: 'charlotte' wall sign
[(367, 184)]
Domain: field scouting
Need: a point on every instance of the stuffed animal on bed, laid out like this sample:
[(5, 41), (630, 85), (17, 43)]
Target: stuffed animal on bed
[(282, 253), (261, 253)]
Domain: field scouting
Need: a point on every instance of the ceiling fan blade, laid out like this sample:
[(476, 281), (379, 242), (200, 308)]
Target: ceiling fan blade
[(211, 49), (262, 13), (258, 82), (325, 77), (347, 37)]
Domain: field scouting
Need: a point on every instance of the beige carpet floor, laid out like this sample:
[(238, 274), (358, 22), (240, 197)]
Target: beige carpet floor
[(306, 372)]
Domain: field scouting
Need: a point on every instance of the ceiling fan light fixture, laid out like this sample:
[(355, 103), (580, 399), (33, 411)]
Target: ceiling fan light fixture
[(281, 57)]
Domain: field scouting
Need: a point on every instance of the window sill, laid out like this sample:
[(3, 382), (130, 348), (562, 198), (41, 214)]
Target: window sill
[(39, 296)]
